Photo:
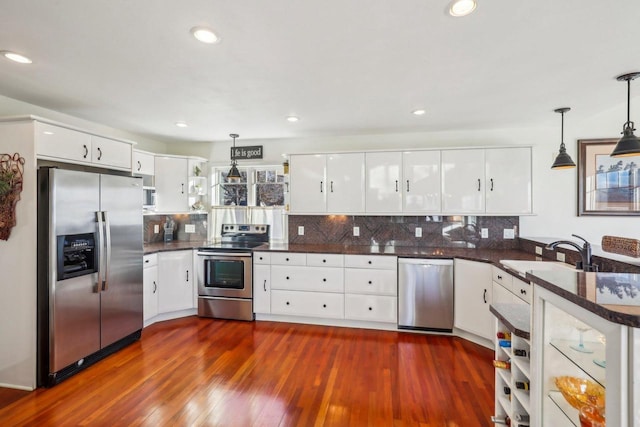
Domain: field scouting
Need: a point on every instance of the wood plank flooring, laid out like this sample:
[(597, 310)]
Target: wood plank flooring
[(193, 372)]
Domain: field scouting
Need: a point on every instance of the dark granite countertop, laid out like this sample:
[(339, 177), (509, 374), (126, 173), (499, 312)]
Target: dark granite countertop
[(515, 317), (483, 255), (176, 245), (612, 296)]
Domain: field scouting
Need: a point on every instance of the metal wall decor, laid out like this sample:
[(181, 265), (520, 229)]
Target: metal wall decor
[(607, 185), (11, 174)]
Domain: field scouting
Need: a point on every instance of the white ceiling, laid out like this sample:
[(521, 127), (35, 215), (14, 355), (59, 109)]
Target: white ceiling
[(342, 66)]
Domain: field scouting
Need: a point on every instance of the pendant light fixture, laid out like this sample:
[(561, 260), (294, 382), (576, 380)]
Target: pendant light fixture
[(563, 161), (234, 174), (629, 144)]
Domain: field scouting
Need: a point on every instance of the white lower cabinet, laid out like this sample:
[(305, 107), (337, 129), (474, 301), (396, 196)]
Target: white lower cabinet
[(150, 287), (376, 308), (176, 281), (299, 278), (473, 288), (313, 304)]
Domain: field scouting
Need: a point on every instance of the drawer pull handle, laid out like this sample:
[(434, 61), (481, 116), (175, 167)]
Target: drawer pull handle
[(478, 184), (139, 165), (396, 185), (286, 259), (499, 277), (155, 287), (324, 260), (260, 258), (147, 261), (99, 154), (86, 152), (187, 275), (324, 280), (324, 305), (264, 285), (523, 292), (370, 308), (484, 296), (369, 262), (287, 302), (369, 281), (287, 277)]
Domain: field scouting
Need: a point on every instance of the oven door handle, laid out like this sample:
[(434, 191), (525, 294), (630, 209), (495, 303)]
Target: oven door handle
[(226, 254)]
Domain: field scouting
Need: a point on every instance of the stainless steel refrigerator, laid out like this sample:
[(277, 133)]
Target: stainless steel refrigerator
[(89, 268)]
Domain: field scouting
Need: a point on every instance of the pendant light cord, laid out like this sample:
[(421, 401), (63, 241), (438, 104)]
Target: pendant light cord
[(628, 101), (562, 130)]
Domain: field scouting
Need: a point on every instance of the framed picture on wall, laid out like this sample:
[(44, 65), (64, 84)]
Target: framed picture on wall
[(607, 185)]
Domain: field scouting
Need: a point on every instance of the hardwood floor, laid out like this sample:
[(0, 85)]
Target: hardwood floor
[(193, 371)]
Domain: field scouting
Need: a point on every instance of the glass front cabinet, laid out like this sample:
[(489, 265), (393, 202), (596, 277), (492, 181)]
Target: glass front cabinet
[(576, 353)]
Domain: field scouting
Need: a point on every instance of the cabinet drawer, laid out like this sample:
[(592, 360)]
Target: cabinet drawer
[(299, 278), (288, 258), (522, 290), (371, 307), (311, 304), (150, 260), (369, 281), (262, 258), (381, 262), (325, 260), (501, 277)]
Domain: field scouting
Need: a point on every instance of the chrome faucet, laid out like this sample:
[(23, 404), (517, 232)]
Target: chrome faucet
[(584, 250)]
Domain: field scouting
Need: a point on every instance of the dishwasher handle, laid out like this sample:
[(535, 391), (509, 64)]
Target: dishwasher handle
[(422, 261)]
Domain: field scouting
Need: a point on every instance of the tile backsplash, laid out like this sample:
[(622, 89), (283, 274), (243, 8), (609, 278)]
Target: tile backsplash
[(437, 231), (180, 221)]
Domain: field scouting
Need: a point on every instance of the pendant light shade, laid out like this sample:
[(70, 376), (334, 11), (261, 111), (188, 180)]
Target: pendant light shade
[(629, 144), (234, 173), (563, 160)]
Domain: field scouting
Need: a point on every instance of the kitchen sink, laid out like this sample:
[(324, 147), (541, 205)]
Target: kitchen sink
[(521, 267)]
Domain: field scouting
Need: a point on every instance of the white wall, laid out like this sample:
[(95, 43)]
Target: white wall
[(10, 107), (555, 192)]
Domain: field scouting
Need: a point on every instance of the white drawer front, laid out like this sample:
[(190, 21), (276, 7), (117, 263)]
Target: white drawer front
[(150, 260), (365, 281), (310, 304), (307, 278), (325, 260), (522, 290), (382, 262), (288, 258), (371, 307), (262, 258), (499, 276)]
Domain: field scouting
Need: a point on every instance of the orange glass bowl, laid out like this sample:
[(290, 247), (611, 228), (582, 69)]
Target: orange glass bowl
[(590, 416), (580, 392)]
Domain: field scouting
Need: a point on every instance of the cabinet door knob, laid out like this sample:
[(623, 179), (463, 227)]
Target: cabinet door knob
[(287, 277), (499, 277), (287, 259), (523, 292), (260, 258), (324, 305), (369, 281), (369, 262), (324, 280), (370, 308), (86, 151), (287, 302), (147, 261), (324, 260)]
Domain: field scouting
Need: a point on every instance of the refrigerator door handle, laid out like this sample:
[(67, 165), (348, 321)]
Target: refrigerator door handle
[(107, 227), (100, 246)]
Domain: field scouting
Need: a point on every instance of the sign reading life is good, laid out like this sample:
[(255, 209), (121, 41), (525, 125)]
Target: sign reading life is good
[(246, 153)]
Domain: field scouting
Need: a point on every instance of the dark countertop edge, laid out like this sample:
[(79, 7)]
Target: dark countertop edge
[(504, 312), (152, 248), (595, 308)]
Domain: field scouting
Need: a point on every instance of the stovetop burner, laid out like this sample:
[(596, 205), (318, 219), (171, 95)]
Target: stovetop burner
[(239, 237)]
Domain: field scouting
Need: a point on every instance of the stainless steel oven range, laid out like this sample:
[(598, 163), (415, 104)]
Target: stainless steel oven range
[(225, 287)]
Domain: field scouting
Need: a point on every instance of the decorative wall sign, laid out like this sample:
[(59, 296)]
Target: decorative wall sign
[(11, 172), (607, 185), (246, 153)]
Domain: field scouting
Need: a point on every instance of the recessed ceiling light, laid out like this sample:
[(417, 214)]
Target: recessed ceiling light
[(418, 112), (293, 118), (16, 57), (181, 124), (205, 35), (462, 7)]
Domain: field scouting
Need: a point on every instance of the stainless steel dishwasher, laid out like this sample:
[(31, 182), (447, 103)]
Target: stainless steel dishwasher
[(425, 294)]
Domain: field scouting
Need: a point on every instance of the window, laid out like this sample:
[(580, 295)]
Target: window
[(259, 186)]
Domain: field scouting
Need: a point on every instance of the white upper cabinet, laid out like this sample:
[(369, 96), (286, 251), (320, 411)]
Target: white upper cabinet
[(110, 153), (345, 173), (171, 176), (308, 177), (508, 180), (68, 145), (463, 181), (421, 182), (327, 183), (142, 163), (384, 189), (61, 143)]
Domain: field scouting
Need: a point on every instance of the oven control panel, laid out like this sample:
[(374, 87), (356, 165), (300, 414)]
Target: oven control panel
[(245, 228)]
